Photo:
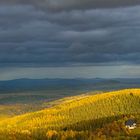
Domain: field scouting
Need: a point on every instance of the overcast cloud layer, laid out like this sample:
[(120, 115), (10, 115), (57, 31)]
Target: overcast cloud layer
[(69, 32), (66, 5)]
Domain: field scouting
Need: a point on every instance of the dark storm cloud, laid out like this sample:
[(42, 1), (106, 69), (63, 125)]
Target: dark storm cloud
[(31, 35), (60, 5)]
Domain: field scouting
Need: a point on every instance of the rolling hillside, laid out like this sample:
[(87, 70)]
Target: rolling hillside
[(26, 91), (77, 113)]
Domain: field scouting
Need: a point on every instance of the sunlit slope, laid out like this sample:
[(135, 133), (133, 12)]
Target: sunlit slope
[(77, 109)]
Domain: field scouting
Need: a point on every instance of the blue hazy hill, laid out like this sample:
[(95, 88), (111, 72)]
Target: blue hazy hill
[(79, 83)]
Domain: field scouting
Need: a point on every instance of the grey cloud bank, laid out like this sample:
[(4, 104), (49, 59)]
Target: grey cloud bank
[(28, 35), (60, 5), (68, 33)]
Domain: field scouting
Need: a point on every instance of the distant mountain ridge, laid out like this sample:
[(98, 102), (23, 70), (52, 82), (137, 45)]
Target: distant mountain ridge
[(30, 84), (78, 83)]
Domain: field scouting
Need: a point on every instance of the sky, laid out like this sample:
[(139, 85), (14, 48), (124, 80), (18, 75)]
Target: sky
[(69, 39)]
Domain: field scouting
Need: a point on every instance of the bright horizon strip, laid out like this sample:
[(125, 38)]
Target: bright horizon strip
[(122, 71)]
